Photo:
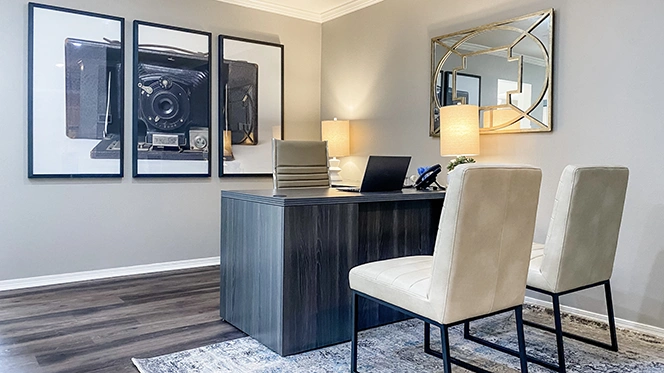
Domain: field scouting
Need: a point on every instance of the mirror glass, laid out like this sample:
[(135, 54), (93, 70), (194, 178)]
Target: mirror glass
[(504, 68)]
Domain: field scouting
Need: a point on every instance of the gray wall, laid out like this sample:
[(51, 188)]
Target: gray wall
[(376, 67), (61, 226)]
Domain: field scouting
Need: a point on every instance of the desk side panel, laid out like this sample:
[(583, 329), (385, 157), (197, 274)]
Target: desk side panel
[(320, 248), (251, 287), (322, 243)]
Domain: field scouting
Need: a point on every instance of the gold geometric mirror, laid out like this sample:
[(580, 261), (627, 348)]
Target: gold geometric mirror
[(503, 67)]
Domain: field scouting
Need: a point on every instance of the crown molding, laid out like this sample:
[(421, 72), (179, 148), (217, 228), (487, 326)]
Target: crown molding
[(278, 9), (347, 8), (306, 15)]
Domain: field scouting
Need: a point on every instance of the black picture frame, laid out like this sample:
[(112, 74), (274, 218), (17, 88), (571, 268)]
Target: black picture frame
[(90, 142), (469, 86), (251, 78), (172, 95)]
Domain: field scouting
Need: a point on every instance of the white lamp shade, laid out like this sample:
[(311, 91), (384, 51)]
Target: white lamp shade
[(337, 135), (459, 130)]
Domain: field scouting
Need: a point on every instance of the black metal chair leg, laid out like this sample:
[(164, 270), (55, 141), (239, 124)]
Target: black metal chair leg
[(466, 329), (559, 333), (445, 355), (445, 343), (521, 337), (427, 337), (612, 317), (353, 356)]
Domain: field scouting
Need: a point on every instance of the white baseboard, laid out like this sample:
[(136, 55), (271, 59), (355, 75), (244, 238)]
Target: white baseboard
[(30, 282), (620, 323)]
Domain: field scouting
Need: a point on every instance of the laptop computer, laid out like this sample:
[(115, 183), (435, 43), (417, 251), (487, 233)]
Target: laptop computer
[(383, 174)]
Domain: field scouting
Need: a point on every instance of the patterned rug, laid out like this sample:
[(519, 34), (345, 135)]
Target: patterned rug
[(399, 348)]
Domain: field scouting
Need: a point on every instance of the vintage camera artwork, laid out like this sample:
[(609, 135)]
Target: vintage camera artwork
[(174, 96), (93, 86), (242, 91), (241, 114)]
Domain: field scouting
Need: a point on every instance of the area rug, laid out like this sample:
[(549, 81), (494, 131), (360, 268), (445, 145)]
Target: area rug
[(399, 348)]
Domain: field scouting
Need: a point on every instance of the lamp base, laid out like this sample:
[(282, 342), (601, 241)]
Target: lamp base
[(335, 177)]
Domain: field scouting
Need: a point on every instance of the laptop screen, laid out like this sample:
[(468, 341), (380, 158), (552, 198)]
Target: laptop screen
[(385, 173)]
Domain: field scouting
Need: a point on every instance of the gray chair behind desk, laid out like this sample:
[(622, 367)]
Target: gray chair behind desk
[(300, 164)]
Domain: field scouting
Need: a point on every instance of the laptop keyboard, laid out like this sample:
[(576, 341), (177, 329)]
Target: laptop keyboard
[(349, 189)]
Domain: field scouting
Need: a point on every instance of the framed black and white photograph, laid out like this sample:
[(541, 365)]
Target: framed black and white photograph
[(75, 93), (251, 76), (171, 92)]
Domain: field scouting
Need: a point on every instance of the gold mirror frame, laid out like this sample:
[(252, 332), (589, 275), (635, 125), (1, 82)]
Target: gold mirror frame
[(457, 44)]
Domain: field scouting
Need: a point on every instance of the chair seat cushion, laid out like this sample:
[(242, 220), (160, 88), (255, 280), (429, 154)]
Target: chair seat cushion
[(535, 277), (403, 282)]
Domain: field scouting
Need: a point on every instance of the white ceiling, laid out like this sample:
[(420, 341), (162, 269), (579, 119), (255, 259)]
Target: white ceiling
[(310, 10)]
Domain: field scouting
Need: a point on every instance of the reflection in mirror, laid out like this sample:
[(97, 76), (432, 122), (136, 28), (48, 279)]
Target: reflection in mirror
[(76, 91), (251, 100), (172, 100), (504, 68)]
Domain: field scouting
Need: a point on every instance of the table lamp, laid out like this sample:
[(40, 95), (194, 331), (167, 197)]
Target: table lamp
[(459, 130), (337, 134)]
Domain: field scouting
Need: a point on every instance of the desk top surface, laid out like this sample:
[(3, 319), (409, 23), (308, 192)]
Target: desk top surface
[(325, 196)]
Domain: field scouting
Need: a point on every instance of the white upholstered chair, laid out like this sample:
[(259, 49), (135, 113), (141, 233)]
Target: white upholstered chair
[(580, 246), (300, 164), (480, 261)]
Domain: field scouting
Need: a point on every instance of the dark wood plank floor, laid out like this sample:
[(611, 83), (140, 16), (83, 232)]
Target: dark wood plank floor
[(98, 326)]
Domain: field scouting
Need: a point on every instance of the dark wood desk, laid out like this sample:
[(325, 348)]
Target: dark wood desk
[(285, 257)]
